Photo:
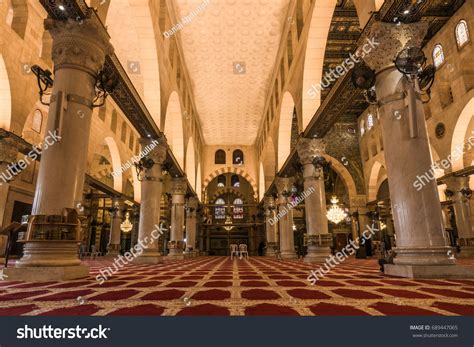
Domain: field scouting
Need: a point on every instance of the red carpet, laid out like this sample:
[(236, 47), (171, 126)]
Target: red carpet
[(219, 286)]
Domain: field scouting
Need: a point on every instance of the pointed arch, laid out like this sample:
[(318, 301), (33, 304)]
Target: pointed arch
[(284, 128), (174, 127), (116, 162), (191, 163), (5, 97), (320, 24), (373, 181), (235, 170), (261, 182), (461, 132), (199, 182), (135, 47)]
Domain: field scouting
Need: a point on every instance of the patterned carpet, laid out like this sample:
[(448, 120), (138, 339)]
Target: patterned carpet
[(219, 286)]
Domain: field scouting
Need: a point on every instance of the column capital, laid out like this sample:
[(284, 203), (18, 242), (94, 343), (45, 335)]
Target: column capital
[(457, 183), (268, 201), (79, 45), (308, 149), (154, 150), (284, 184), (193, 202), (388, 40), (8, 150), (179, 186)]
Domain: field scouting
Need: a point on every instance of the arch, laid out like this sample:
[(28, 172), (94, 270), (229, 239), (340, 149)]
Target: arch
[(221, 181), (284, 128), (269, 163), (220, 157), (438, 56), (116, 162), (460, 131), (227, 190), (191, 163), (238, 157), (235, 181), (261, 182), (314, 56), (344, 175), (462, 33), (5, 97), (365, 8), (136, 47), (174, 127), (235, 170), (199, 182), (373, 182)]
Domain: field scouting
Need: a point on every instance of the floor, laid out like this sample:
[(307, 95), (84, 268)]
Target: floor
[(220, 286)]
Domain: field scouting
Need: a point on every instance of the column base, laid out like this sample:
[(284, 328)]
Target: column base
[(175, 254), (424, 256), (114, 250), (49, 254), (270, 250), (46, 273), (467, 252), (152, 258), (317, 254), (429, 271), (288, 255)]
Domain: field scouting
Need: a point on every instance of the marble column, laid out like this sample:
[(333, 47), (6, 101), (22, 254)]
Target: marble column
[(8, 155), (422, 249), (459, 188), (271, 225), (178, 189), (285, 217), (319, 239), (115, 231), (150, 205), (79, 51), (191, 224)]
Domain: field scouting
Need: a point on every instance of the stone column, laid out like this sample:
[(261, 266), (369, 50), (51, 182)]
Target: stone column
[(8, 155), (459, 191), (115, 231), (178, 189), (191, 224), (79, 51), (271, 225), (285, 217), (422, 248), (319, 239), (150, 206)]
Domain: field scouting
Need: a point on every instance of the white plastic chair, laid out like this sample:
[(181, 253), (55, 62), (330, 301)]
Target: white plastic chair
[(243, 250), (234, 249)]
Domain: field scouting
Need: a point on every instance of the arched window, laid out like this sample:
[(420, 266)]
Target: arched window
[(462, 33), (238, 157), (131, 142), (234, 181), (17, 17), (370, 121), (438, 56), (238, 209), (219, 157), (102, 112), (221, 181), (219, 211)]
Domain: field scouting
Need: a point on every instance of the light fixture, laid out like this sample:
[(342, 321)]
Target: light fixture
[(44, 81), (62, 8), (335, 214), (106, 83), (126, 226), (382, 225)]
